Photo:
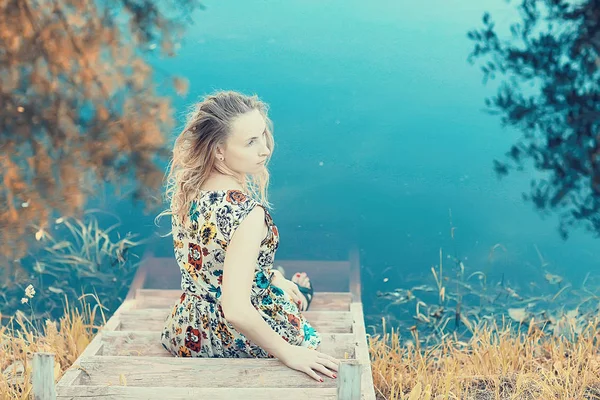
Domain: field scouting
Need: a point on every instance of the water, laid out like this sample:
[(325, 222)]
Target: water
[(380, 134)]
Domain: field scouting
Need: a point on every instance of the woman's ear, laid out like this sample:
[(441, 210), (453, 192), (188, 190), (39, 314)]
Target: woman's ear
[(219, 153)]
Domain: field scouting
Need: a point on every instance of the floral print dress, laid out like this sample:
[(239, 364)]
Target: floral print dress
[(196, 326)]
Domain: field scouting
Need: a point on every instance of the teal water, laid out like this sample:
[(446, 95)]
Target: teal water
[(380, 132)]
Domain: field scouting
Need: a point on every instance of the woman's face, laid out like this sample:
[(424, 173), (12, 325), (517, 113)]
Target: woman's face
[(245, 150)]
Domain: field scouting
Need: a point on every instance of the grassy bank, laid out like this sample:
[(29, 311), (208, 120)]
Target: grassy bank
[(496, 363)]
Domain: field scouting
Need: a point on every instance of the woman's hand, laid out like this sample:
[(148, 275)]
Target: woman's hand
[(290, 288), (308, 361)]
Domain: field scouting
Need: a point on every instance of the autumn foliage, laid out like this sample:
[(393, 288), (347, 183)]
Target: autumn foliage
[(79, 107)]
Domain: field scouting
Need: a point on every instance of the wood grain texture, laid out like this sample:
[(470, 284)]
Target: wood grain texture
[(194, 372), (176, 393), (326, 276), (322, 301), (126, 361), (147, 343), (153, 319)]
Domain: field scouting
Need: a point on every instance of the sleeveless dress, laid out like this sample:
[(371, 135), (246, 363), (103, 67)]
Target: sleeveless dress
[(196, 326)]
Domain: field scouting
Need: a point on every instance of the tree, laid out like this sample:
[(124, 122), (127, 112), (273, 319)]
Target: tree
[(78, 105), (550, 91)]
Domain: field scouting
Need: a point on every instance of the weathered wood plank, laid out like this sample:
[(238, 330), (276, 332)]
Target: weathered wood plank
[(43, 376), (355, 281), (72, 374), (350, 376), (194, 372), (152, 319), (336, 313), (147, 344), (326, 276), (177, 393), (322, 301), (362, 350)]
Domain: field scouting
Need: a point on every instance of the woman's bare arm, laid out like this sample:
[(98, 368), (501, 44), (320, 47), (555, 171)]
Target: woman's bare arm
[(238, 275)]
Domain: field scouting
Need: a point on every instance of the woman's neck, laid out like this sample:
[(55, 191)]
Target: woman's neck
[(219, 181)]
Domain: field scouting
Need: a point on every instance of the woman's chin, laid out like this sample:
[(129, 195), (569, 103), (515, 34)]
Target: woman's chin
[(257, 170)]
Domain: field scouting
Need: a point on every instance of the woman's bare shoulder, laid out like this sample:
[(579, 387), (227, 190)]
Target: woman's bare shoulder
[(221, 185)]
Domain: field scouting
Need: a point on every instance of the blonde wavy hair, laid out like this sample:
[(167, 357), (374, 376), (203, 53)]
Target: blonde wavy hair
[(208, 124)]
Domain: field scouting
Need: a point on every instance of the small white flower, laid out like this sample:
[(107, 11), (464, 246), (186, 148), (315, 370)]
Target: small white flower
[(40, 234), (24, 300), (30, 291)]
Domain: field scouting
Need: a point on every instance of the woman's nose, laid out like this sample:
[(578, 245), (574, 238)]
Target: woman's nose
[(265, 151)]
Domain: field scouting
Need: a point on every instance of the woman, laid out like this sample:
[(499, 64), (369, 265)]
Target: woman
[(234, 304)]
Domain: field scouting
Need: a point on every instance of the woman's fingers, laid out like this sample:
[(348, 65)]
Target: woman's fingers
[(296, 290), (313, 374), (300, 303), (328, 357), (328, 363), (296, 299), (297, 296), (321, 368), (301, 298)]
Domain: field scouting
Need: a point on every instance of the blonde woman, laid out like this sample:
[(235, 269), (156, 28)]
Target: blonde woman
[(234, 303)]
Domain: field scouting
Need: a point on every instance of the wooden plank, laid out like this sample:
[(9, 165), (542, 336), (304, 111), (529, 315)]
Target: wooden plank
[(152, 319), (358, 326), (326, 276), (194, 372), (362, 351), (322, 301), (43, 376), (161, 273), (71, 375), (336, 313), (349, 382), (178, 393), (354, 273), (140, 276), (147, 343)]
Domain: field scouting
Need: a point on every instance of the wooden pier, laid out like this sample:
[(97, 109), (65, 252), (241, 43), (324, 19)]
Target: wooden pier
[(126, 360)]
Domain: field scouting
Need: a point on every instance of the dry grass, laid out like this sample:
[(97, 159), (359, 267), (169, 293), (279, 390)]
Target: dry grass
[(20, 338), (85, 259), (495, 364), (490, 341)]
